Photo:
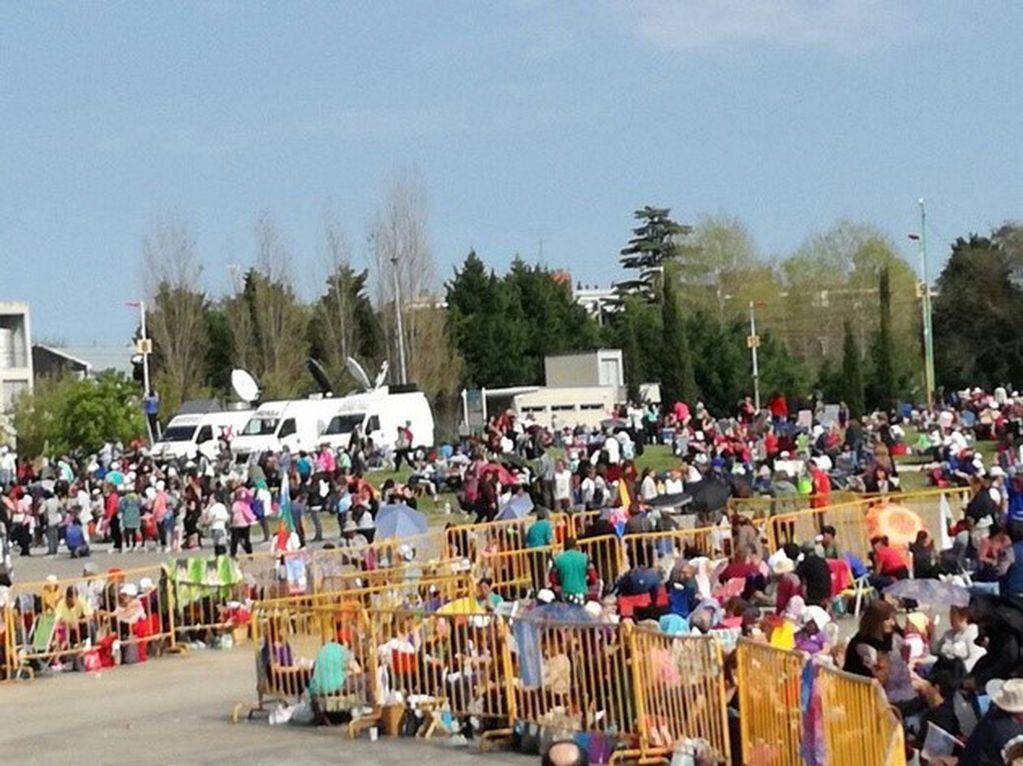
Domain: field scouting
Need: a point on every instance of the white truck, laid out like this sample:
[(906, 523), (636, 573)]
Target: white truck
[(188, 436), (378, 414), (294, 423)]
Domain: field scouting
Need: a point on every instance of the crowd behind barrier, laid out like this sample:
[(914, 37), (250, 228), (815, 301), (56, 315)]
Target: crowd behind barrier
[(642, 690), (173, 606)]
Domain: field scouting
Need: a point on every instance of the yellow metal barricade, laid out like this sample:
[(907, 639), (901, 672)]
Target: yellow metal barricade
[(648, 549), (680, 695), (473, 540), (54, 623), (516, 573), (860, 727), (607, 555), (769, 700)]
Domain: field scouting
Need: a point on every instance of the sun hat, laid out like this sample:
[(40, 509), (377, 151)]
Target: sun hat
[(817, 616), (1007, 695), (130, 589)]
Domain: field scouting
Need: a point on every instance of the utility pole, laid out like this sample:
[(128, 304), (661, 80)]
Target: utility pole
[(402, 373), (925, 308), (753, 341)]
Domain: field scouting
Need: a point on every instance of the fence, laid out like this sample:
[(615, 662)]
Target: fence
[(859, 725), (769, 700), (649, 691)]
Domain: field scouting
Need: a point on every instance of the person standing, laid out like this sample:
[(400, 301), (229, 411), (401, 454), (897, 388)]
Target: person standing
[(112, 517), (129, 508), (573, 573), (546, 472), (53, 512), (403, 445), (242, 519)]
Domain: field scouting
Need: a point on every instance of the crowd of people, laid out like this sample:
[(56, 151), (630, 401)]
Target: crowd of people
[(959, 681)]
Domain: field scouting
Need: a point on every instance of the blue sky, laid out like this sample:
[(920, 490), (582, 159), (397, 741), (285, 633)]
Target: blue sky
[(528, 120)]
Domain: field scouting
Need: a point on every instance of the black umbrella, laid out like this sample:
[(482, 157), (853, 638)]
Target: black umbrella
[(674, 500), (510, 458), (709, 495)]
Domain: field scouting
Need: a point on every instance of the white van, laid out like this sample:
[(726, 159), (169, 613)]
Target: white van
[(379, 414), (188, 436), (295, 423)]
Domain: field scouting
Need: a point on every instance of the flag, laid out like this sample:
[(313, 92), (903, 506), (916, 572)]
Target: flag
[(286, 525)]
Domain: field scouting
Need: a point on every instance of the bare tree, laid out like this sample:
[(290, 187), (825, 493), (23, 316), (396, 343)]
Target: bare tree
[(399, 245), (177, 305)]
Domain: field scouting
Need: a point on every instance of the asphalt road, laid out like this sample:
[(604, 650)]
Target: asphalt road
[(176, 710)]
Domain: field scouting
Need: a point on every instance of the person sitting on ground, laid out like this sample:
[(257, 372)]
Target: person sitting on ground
[(889, 563), (74, 536), (959, 643), (815, 574), (938, 691), (73, 616), (827, 543), (1002, 723)]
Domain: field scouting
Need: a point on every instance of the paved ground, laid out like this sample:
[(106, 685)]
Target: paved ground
[(176, 710)]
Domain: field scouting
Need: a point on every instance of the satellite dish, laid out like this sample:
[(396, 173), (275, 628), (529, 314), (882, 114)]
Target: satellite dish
[(381, 376), (244, 386), (358, 373), (319, 375)]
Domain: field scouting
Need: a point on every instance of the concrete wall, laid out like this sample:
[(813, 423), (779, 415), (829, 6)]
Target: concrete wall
[(15, 352)]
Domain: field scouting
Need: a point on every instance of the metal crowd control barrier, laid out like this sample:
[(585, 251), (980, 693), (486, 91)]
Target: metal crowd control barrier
[(80, 620), (516, 573), (470, 541), (650, 691), (769, 695), (859, 725)]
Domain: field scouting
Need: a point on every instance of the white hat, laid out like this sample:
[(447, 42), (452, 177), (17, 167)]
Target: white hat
[(817, 616), (51, 578), (130, 589), (593, 609), (145, 583), (996, 471), (1008, 695), (545, 596)]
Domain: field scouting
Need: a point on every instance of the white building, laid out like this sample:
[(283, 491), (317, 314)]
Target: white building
[(598, 301), (15, 352)]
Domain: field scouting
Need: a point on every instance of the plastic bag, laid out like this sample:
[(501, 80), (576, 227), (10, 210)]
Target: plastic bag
[(280, 714)]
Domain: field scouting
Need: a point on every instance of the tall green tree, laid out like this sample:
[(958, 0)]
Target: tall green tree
[(852, 372), (678, 382), (976, 314), (485, 325), (69, 414), (343, 323), (884, 384)]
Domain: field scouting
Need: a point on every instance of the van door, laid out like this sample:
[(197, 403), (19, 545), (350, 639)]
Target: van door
[(203, 442), (373, 431), (288, 434)]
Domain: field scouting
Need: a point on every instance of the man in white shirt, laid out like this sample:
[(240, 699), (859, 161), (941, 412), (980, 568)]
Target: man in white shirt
[(217, 517), (562, 486)]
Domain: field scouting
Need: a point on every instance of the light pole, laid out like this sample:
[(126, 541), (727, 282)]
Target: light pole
[(753, 341), (144, 347), (397, 314), (925, 307)]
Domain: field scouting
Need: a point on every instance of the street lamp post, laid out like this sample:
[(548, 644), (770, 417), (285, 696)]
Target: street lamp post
[(754, 342), (925, 307), (402, 373)]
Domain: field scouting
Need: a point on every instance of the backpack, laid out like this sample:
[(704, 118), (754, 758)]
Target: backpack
[(257, 508)]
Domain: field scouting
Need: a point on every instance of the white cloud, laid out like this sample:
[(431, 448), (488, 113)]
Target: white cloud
[(846, 26)]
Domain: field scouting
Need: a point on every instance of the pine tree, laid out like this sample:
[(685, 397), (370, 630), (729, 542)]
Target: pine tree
[(884, 384), (678, 382), (852, 372)]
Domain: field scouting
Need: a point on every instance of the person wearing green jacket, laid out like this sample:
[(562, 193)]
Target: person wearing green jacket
[(129, 508)]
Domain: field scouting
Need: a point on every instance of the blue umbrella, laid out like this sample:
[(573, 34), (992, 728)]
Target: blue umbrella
[(516, 508), (400, 520), (931, 592)]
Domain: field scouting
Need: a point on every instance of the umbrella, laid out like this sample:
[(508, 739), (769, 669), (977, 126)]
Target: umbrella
[(466, 605), (504, 476), (897, 522), (516, 508), (675, 500), (709, 495), (930, 592), (558, 612), (400, 520), (114, 477)]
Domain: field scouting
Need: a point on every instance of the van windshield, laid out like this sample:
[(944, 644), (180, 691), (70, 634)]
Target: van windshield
[(344, 424), (261, 427), (178, 434)]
